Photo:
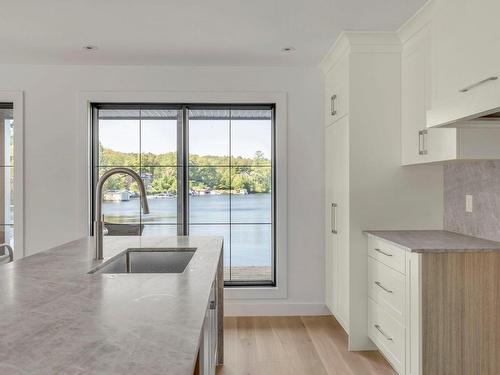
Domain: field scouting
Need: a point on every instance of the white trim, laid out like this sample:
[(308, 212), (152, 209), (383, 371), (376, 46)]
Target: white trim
[(225, 97), (232, 308), (17, 98), (417, 22), (360, 42)]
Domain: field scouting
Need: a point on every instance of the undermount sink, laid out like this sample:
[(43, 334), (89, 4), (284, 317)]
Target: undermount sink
[(154, 260)]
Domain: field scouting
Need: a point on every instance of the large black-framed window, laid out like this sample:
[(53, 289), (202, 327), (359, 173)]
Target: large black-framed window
[(6, 174), (208, 170)]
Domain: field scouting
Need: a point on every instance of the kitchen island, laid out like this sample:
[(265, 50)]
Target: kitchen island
[(56, 318)]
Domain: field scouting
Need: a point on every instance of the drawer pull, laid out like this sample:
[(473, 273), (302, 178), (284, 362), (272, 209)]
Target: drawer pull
[(379, 284), (383, 252), (466, 89), (387, 337)]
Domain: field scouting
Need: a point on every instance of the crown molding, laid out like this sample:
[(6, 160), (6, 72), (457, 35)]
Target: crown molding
[(417, 22), (360, 42)]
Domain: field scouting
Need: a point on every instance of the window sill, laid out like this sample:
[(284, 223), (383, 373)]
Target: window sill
[(257, 292)]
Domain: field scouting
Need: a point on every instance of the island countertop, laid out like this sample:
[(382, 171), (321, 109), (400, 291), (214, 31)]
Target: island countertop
[(433, 241), (55, 318)]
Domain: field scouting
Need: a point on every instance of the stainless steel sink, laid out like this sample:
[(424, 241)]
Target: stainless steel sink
[(154, 260)]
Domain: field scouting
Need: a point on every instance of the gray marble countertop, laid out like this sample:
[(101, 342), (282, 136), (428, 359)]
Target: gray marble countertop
[(57, 319), (426, 241)]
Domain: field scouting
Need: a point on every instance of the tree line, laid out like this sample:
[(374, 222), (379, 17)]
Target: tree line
[(159, 172)]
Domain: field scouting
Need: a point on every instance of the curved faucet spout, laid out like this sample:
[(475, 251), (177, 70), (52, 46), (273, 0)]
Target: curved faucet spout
[(99, 222)]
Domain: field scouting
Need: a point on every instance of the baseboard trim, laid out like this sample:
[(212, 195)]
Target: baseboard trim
[(232, 308)]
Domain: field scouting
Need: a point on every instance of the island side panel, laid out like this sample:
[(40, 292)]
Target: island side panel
[(460, 313), (220, 309)]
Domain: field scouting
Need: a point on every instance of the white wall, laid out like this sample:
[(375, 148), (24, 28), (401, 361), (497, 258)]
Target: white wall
[(55, 207)]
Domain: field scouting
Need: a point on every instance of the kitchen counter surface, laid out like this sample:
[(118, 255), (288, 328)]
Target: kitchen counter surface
[(433, 241), (55, 318)]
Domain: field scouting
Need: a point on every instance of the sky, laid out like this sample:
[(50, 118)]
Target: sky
[(206, 137)]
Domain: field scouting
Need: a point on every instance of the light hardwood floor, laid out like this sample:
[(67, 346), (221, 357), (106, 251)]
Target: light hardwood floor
[(307, 345)]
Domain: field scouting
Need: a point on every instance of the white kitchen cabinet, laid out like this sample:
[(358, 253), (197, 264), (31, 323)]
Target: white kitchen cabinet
[(429, 145), (387, 301), (337, 91), (337, 231), (419, 144), (209, 339), (466, 60), (364, 184)]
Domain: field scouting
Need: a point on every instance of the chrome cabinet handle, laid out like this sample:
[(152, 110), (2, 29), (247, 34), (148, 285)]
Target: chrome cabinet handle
[(332, 105), (333, 213), (468, 88), (422, 144), (383, 252), (387, 337), (379, 284)]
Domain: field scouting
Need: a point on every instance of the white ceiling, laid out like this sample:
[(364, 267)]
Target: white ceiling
[(186, 32)]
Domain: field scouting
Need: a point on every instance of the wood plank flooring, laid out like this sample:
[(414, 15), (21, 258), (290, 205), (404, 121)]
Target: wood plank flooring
[(307, 345)]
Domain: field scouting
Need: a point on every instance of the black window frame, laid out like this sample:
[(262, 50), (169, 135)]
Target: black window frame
[(183, 167)]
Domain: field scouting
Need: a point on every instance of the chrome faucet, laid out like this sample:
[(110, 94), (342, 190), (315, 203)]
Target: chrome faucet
[(99, 218)]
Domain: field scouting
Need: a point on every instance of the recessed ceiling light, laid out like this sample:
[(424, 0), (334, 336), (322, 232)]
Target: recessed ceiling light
[(288, 49), (90, 47)]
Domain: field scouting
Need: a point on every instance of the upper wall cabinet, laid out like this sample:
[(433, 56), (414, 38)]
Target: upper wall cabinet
[(466, 61), (419, 144), (429, 145), (337, 91)]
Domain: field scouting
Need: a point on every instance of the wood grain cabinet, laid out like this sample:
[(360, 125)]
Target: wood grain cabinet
[(434, 313)]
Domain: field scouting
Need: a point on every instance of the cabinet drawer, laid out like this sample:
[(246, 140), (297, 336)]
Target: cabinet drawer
[(388, 334), (387, 253), (386, 287)]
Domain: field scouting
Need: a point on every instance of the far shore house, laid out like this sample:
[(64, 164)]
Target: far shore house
[(117, 195)]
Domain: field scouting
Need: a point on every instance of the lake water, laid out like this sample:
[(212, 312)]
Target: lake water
[(247, 242)]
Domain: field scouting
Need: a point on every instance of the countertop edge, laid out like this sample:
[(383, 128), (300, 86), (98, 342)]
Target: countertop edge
[(495, 246)]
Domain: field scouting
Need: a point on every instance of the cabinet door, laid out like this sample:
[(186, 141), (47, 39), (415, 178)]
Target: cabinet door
[(337, 91), (204, 352), (419, 144), (341, 191), (331, 239), (208, 345), (465, 37), (337, 219)]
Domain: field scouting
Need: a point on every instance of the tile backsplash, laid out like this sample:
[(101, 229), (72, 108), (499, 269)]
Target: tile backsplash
[(481, 179)]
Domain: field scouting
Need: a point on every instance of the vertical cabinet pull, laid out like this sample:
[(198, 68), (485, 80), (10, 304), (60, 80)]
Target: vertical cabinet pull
[(333, 222), (422, 142), (333, 110)]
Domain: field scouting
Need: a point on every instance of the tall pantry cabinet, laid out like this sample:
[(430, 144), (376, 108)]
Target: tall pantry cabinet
[(365, 186)]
